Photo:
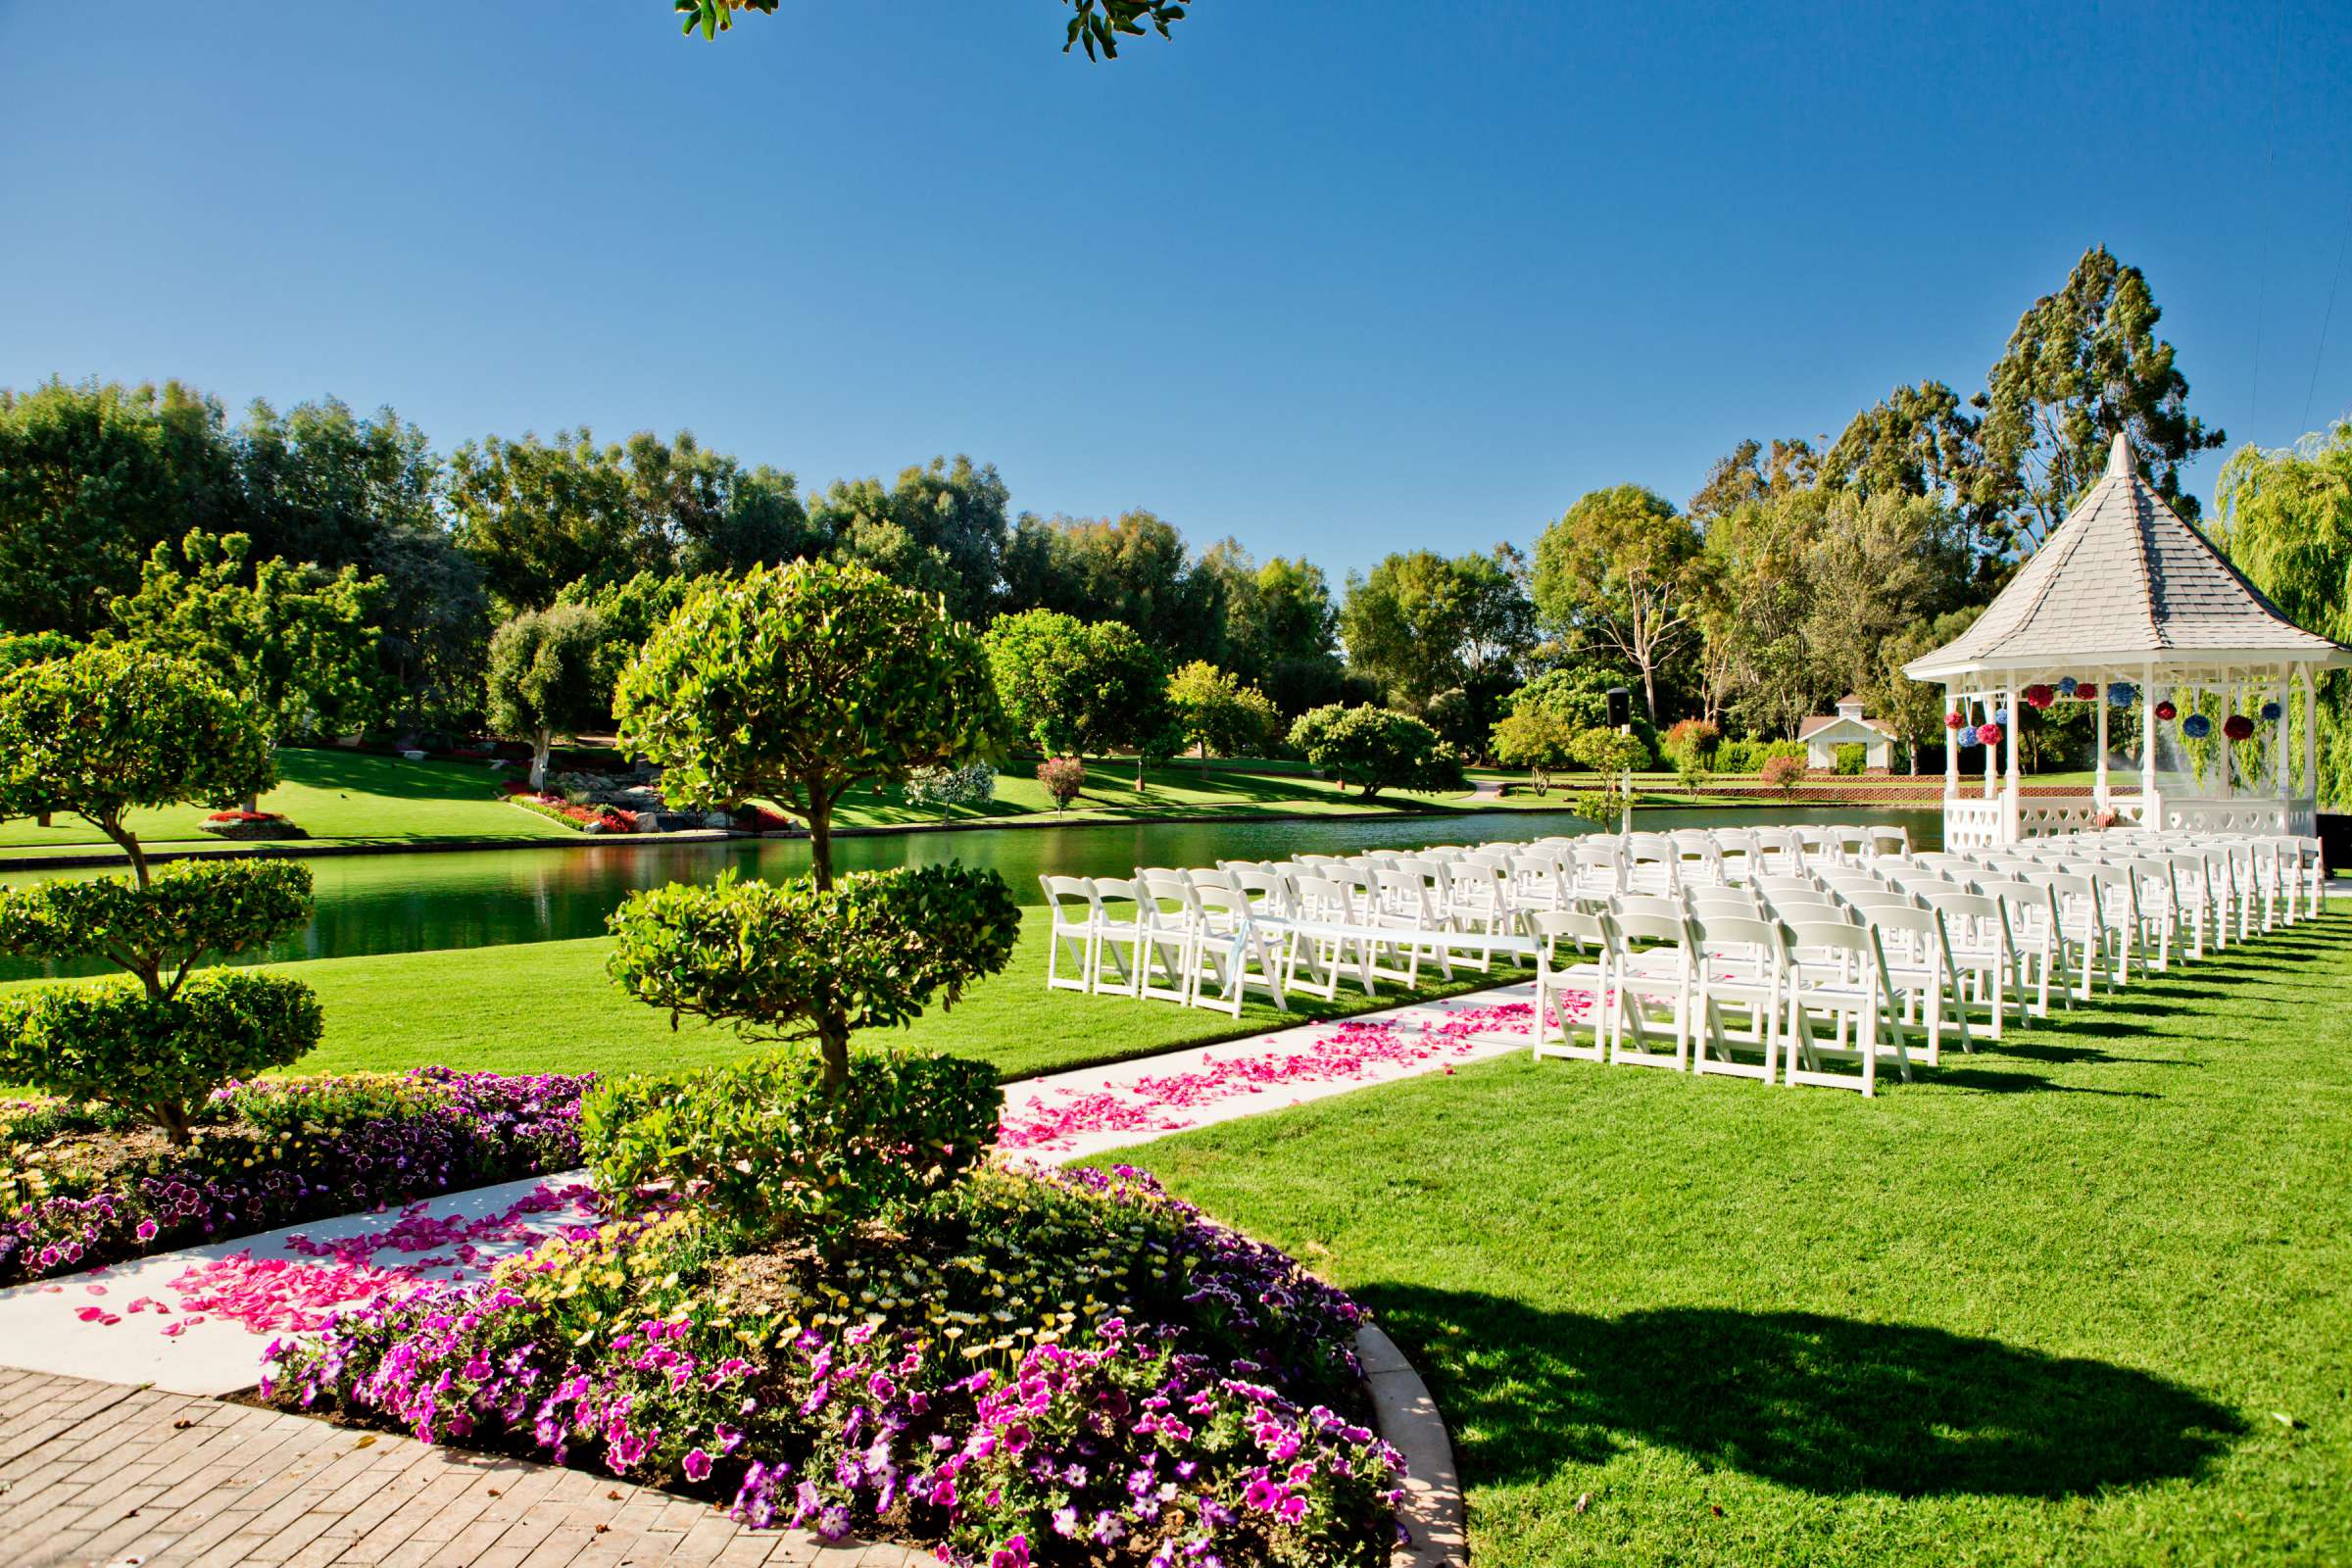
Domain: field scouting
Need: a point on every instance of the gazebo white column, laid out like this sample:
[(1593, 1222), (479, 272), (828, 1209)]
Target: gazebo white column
[(2311, 738), (1951, 743), (2098, 790), (2151, 809)]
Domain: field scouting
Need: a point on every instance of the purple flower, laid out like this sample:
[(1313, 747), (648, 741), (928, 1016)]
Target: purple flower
[(697, 1465)]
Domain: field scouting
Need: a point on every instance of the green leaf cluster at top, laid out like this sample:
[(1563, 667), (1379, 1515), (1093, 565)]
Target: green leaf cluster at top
[(107, 730), (190, 911), (799, 683), (791, 960)]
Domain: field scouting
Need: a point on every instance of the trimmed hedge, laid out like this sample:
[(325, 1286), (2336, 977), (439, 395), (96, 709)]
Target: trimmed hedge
[(771, 1146)]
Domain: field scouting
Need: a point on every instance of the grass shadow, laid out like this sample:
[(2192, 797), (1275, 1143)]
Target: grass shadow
[(1824, 1404)]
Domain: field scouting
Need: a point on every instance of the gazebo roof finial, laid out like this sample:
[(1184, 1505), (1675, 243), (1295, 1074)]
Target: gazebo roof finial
[(2119, 458)]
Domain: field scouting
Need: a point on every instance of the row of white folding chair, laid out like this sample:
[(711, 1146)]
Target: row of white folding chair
[(1163, 935), (1713, 992)]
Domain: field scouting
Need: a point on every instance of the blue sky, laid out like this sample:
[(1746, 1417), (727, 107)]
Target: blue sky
[(1420, 279)]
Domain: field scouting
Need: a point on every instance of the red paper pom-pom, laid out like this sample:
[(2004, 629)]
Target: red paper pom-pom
[(2037, 696), (2238, 727), (1954, 721), (1989, 734), (2086, 692), (2166, 711)]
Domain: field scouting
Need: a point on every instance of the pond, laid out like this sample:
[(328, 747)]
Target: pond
[(472, 898)]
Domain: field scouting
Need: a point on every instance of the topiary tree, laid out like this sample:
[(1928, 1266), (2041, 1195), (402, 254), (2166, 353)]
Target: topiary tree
[(107, 730), (543, 678), (100, 733), (804, 961), (799, 683), (1376, 749), (1536, 739)]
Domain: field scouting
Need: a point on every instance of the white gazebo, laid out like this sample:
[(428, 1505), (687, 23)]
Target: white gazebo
[(2130, 601)]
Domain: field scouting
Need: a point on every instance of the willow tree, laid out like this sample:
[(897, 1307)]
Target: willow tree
[(2285, 520)]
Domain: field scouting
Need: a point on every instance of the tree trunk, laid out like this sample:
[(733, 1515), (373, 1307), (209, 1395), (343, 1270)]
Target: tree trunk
[(833, 1047), (130, 843), (172, 1117), (1204, 757), (1139, 771), (252, 803), (821, 842), (540, 746)]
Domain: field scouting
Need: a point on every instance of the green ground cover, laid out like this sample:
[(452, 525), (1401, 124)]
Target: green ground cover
[(546, 1006), (2077, 1299)]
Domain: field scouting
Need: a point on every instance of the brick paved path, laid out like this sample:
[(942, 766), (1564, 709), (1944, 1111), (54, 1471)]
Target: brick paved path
[(98, 1473)]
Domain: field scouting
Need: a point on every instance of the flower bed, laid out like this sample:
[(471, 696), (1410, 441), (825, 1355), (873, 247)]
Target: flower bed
[(586, 818), (1024, 1369), (81, 1186), (251, 825), (754, 818)]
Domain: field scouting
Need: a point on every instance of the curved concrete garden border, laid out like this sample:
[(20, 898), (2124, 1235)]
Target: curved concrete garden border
[(1409, 1423)]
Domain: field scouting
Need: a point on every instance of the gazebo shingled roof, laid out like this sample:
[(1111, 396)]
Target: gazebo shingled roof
[(2126, 581)]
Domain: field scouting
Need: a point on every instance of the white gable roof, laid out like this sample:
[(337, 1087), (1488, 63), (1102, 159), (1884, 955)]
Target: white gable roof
[(2124, 582)]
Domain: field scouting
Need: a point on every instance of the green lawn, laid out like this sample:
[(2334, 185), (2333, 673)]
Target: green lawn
[(2079, 1298), (546, 1006), (354, 797), (334, 794)]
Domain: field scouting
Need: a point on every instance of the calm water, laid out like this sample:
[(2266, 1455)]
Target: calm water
[(416, 902)]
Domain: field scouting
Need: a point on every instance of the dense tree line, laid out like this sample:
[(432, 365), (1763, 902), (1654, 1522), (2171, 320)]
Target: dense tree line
[(442, 553), (1793, 575)]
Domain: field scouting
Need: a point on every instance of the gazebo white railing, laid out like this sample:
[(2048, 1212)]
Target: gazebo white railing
[(2130, 608)]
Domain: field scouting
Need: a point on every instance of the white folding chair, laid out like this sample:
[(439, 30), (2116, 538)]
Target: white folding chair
[(1555, 1022), (1651, 981), (1743, 968), (1839, 976)]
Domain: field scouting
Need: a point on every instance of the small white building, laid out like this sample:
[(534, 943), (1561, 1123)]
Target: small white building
[(1824, 733)]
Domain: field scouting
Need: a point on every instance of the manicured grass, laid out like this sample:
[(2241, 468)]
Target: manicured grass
[(2079, 1298), (546, 1006), (334, 794)]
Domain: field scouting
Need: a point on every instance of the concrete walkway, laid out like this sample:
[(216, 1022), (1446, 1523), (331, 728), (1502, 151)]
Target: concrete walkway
[(96, 1474)]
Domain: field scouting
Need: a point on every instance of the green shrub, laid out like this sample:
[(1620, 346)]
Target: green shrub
[(1376, 749), (1609, 754), (790, 961), (1852, 759), (1536, 739), (156, 1055), (1747, 758), (771, 1146)]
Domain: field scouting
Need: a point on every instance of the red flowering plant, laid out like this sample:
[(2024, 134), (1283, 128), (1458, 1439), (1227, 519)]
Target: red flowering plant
[(587, 819)]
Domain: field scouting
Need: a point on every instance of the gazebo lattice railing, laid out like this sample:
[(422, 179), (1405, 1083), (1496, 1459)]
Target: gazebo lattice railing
[(2130, 605)]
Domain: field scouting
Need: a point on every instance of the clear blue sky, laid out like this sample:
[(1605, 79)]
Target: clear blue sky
[(1419, 280)]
